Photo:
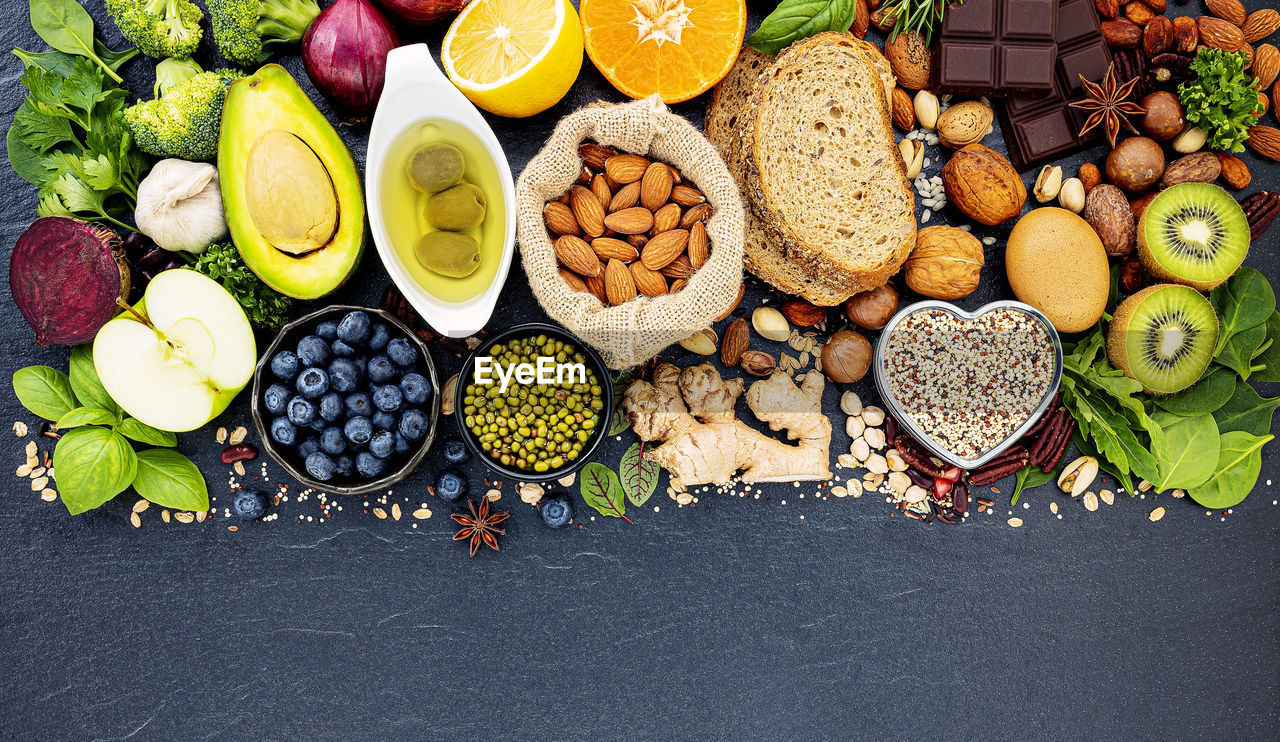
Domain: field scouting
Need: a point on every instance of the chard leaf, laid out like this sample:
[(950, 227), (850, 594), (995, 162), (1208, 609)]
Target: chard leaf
[(639, 476), (601, 490)]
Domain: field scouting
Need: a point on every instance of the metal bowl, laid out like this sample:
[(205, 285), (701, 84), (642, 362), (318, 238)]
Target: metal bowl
[(288, 338), (606, 413), (906, 423)]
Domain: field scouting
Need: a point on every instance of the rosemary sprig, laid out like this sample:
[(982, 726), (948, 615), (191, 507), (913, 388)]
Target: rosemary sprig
[(917, 15)]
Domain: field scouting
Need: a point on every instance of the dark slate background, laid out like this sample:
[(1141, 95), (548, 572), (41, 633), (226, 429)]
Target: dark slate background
[(742, 619)]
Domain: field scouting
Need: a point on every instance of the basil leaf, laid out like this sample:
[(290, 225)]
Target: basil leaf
[(1247, 411), (1239, 351), (601, 490), (143, 433), (1244, 301), (1030, 477), (170, 480), (66, 26), (1206, 395), (793, 20), (85, 416), (93, 465), (1190, 454), (85, 382), (639, 476), (1239, 463), (618, 423), (1270, 358), (45, 391)]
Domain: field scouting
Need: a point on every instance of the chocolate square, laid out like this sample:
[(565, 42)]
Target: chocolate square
[(996, 48)]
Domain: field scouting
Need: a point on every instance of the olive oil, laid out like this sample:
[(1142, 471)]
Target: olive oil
[(405, 208)]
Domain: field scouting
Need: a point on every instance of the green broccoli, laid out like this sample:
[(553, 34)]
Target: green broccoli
[(160, 28), (185, 121), (246, 30), (171, 72)]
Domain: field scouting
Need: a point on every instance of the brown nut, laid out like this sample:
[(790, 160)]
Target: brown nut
[(619, 287), (1107, 8), (635, 220), (1266, 65), (904, 112), (742, 289), (649, 283), (1157, 37), (626, 197), (964, 123), (1186, 35), (1231, 11), (861, 20), (1235, 173), (737, 336), (587, 210), (846, 356), (663, 248), (625, 168), (1135, 164), (801, 313), (1133, 275), (595, 155), (872, 310), (981, 183), (1107, 211), (576, 255), (1197, 167), (1089, 176), (573, 279), (1139, 205), (686, 196), (608, 248), (1264, 141), (1216, 33), (1121, 34), (1165, 117), (945, 264), (655, 186), (699, 248), (1139, 12), (757, 363), (1260, 24), (559, 218), (908, 56)]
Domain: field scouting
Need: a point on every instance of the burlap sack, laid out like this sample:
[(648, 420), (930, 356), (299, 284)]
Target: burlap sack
[(634, 332)]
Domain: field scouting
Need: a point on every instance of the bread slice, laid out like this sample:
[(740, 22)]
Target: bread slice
[(822, 170)]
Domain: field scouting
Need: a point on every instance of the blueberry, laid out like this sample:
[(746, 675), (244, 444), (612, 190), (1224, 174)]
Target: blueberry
[(358, 430), (354, 328), (384, 421), (283, 431), (331, 406), (313, 351), (308, 447), (276, 398), (368, 465), (381, 370), (320, 466), (416, 388), (450, 485), (387, 398), (455, 452), (327, 329), (343, 375), (402, 352), (342, 349), (556, 510), (332, 442), (313, 382), (318, 425), (378, 337), (413, 424), (285, 365), (403, 445), (301, 412), (249, 504), (382, 443), (345, 465), (358, 405)]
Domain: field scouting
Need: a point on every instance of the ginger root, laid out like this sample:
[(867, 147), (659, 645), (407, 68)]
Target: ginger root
[(705, 443)]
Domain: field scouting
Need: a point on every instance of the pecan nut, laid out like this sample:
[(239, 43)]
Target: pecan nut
[(1260, 210)]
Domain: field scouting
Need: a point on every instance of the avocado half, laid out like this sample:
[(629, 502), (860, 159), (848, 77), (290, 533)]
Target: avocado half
[(270, 100)]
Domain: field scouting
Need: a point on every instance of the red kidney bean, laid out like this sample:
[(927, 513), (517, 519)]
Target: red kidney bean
[(239, 452)]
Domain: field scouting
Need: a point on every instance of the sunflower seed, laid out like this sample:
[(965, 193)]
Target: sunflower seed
[(140, 505), (135, 520)]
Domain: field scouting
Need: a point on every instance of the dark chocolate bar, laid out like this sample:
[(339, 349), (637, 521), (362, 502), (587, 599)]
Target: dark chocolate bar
[(998, 48)]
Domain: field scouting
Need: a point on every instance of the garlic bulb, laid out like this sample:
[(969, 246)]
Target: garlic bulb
[(180, 206)]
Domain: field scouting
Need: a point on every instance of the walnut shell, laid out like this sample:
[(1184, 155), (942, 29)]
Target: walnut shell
[(964, 123), (981, 183), (945, 264), (1107, 211)]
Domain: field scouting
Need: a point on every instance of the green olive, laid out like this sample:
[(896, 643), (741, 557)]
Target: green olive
[(435, 167)]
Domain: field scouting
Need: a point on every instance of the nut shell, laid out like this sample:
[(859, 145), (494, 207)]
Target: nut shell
[(982, 184), (945, 264), (964, 123), (908, 56), (1135, 164), (1107, 211)]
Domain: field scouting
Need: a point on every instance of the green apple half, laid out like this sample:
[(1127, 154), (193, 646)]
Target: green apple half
[(178, 358)]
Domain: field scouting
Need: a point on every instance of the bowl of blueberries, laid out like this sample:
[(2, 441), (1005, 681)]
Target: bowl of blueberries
[(346, 399)]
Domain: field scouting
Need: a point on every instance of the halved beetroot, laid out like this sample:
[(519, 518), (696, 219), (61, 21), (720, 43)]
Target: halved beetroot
[(66, 276)]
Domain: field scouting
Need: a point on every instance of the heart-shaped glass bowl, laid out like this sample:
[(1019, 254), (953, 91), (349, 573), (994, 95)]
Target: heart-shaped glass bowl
[(905, 420)]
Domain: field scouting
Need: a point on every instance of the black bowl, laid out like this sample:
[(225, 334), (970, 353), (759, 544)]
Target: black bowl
[(594, 361), (288, 338)]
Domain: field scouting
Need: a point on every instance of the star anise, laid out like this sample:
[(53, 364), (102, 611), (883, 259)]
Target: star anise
[(1109, 105), (480, 525)]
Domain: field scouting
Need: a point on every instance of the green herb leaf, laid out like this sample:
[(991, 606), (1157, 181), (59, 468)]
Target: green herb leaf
[(1030, 477), (618, 422), (169, 479), (45, 391), (143, 433), (1247, 411), (265, 308), (94, 465), (1190, 454), (1245, 300), (1222, 98), (1239, 463), (1205, 396), (639, 476), (1270, 357), (793, 20), (66, 26), (85, 382), (601, 490), (1239, 351), (85, 416)]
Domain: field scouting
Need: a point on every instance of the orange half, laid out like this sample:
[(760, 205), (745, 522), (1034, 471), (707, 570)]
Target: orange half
[(675, 48)]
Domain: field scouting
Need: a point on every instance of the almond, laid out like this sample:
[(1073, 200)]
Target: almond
[(742, 289), (1216, 33), (600, 187), (699, 247), (634, 220), (595, 155), (1235, 173), (577, 256), (861, 20), (1138, 12), (737, 337), (699, 213), (1231, 11), (1157, 6), (663, 248), (559, 218), (611, 248), (1107, 8), (668, 217), (908, 56), (655, 186), (885, 17), (686, 196), (1121, 34), (618, 284), (1260, 24), (1186, 35), (649, 283), (637, 240), (904, 111), (573, 279), (595, 284), (1266, 65), (625, 168), (1157, 37), (1264, 141), (587, 210), (678, 268), (757, 363), (677, 284), (802, 313), (626, 197), (675, 175)]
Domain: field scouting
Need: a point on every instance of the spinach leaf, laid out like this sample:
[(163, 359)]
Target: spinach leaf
[(1030, 477), (143, 433), (85, 416), (601, 490), (1245, 300), (85, 382), (793, 20), (1270, 357), (1247, 411), (94, 465), (1239, 351), (1206, 395), (45, 391), (639, 476), (170, 480), (1190, 453), (66, 26), (1239, 463)]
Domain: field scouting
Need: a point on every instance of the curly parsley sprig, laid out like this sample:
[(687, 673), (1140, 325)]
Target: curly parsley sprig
[(1222, 99)]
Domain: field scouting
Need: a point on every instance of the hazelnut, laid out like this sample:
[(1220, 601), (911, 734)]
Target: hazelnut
[(846, 356), (1165, 116), (945, 264), (872, 309), (1135, 164)]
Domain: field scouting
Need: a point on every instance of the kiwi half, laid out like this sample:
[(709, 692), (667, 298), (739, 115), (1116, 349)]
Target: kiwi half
[(1163, 336), (1194, 234)]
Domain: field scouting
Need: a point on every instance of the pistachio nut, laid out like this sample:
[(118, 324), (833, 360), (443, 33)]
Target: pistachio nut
[(1190, 140), (1048, 183), (1078, 475), (702, 342), (927, 109), (1071, 195), (770, 324)]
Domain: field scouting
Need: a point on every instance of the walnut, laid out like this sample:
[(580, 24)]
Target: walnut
[(945, 264), (982, 184)]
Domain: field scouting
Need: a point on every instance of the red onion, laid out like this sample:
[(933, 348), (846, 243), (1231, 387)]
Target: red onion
[(422, 12), (345, 53)]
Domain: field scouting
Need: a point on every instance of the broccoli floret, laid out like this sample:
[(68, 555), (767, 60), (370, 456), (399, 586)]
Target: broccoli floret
[(160, 28), (185, 122), (171, 72), (246, 30)]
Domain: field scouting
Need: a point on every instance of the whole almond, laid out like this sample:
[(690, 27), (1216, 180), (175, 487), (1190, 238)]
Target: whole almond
[(600, 187), (1107, 8), (884, 18), (1260, 24), (757, 363), (626, 168), (861, 20), (637, 240), (1157, 37), (802, 313), (1266, 65), (1235, 173), (577, 256), (737, 337), (742, 290), (686, 195), (675, 175), (655, 186), (649, 283), (626, 197), (678, 268), (904, 110), (699, 247), (1264, 141), (573, 279), (1186, 35), (559, 218), (666, 218), (677, 284), (612, 248), (584, 176), (699, 213), (634, 220), (1090, 176), (1198, 167), (663, 248), (1216, 33), (1231, 11), (1139, 12), (595, 155), (618, 284), (587, 210), (595, 284), (1121, 34)]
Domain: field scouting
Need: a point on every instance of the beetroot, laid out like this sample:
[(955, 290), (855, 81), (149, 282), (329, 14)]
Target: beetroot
[(345, 54), (66, 276)]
